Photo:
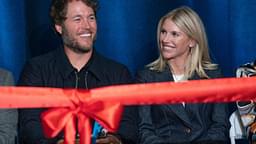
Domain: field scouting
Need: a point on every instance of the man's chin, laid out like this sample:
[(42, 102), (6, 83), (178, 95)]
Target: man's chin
[(81, 50), (84, 50)]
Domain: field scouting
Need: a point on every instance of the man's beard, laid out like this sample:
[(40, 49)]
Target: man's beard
[(73, 44)]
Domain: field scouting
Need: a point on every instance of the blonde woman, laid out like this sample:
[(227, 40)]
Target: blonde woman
[(183, 56)]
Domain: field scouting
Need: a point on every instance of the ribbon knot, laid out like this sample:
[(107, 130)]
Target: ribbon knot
[(77, 118)]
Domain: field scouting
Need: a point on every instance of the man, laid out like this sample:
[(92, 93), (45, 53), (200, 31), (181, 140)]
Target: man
[(8, 117), (76, 65)]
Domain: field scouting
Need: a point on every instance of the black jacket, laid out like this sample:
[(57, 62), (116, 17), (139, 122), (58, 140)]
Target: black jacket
[(54, 70), (174, 123)]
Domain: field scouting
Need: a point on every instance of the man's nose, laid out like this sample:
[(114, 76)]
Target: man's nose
[(85, 24)]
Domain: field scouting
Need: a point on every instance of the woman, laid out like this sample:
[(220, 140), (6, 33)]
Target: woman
[(183, 56), (8, 117)]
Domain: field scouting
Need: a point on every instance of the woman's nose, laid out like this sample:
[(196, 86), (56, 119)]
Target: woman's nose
[(167, 38)]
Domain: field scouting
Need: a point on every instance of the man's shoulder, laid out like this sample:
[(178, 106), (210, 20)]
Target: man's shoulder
[(41, 64), (108, 63), (111, 71), (44, 57)]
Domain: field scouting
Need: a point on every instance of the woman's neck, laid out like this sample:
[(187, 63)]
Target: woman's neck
[(177, 68)]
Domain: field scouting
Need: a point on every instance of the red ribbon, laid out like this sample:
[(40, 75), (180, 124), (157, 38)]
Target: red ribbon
[(193, 91), (103, 104)]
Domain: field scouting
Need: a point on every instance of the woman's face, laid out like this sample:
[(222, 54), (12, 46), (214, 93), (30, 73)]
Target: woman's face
[(174, 43)]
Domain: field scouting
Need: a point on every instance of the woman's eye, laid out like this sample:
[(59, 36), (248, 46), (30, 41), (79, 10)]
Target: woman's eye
[(175, 34), (163, 32)]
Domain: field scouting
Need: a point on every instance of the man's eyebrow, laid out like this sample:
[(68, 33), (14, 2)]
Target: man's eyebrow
[(77, 15), (92, 14)]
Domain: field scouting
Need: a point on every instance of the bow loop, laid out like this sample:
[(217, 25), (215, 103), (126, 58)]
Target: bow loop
[(79, 115)]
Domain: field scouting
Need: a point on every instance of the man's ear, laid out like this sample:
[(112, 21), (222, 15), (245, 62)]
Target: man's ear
[(58, 28)]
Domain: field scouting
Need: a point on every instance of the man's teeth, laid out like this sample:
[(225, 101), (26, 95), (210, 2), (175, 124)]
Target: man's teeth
[(86, 35)]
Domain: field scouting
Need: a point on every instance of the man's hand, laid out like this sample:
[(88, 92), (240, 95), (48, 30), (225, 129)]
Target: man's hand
[(62, 141), (109, 139)]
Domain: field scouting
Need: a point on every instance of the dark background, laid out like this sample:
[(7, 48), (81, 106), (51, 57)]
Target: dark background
[(127, 30)]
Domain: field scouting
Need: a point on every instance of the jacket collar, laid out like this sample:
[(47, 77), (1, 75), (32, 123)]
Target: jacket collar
[(178, 109), (65, 67), (167, 75)]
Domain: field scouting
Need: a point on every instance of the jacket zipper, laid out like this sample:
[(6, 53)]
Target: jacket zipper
[(85, 80), (76, 86), (77, 78)]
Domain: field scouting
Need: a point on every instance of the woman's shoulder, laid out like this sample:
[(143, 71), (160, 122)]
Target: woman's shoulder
[(214, 73), (147, 72), (149, 75)]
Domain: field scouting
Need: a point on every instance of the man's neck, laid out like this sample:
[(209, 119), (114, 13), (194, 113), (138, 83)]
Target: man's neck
[(78, 60)]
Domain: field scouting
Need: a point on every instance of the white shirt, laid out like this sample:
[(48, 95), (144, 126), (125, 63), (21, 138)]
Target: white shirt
[(179, 78)]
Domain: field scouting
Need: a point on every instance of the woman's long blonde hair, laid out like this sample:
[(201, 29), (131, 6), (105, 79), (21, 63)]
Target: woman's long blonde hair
[(190, 23)]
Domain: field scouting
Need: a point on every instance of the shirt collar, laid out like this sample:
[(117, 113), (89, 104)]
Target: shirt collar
[(66, 67)]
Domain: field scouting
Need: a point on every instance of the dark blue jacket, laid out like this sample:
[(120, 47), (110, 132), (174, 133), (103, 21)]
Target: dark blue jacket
[(54, 70), (174, 123)]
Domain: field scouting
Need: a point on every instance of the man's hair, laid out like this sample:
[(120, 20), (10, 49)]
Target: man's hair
[(190, 23), (58, 9)]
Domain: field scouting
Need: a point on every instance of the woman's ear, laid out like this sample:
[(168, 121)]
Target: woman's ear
[(192, 43)]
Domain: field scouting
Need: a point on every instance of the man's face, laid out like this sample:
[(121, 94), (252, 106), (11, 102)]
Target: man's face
[(79, 29)]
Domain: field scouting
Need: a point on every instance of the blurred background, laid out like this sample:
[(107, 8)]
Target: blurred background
[(127, 31)]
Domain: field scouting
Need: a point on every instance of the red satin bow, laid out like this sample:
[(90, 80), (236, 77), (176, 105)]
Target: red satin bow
[(84, 109)]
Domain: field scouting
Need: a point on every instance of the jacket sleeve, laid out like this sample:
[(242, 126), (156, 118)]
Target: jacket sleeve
[(8, 117), (128, 130), (30, 130), (125, 76), (146, 128), (219, 130)]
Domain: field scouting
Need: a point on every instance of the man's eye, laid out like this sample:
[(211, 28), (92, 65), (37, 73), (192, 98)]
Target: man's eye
[(92, 18), (76, 19)]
